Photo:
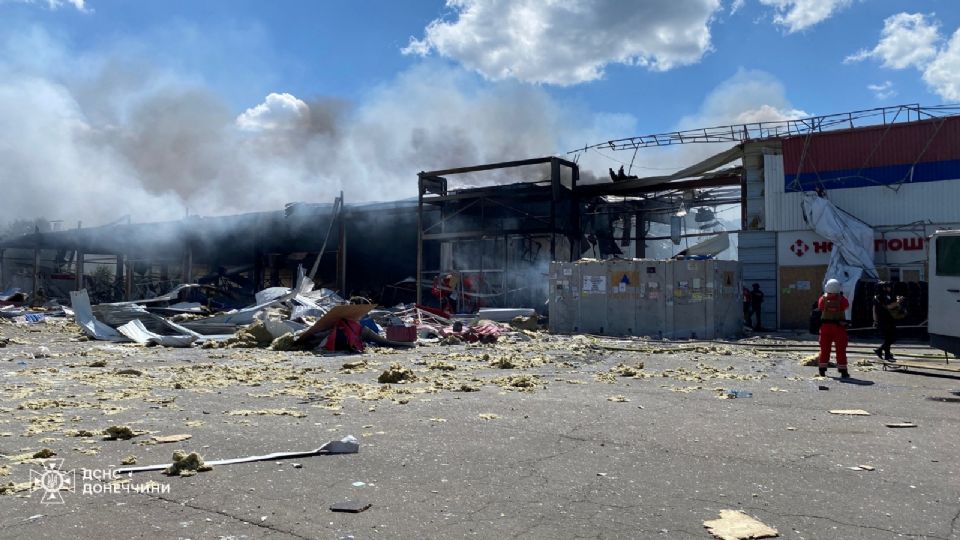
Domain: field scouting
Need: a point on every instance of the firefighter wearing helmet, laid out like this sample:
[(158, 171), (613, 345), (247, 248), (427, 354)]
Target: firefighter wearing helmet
[(833, 327)]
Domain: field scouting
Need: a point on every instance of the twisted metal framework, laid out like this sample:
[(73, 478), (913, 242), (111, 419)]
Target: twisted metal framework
[(736, 133)]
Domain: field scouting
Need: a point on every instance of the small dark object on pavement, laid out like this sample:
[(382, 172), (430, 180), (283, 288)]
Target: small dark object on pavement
[(353, 507)]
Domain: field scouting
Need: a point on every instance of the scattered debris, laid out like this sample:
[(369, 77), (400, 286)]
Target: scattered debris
[(123, 433), (129, 460), (618, 399), (186, 464), (266, 412), (901, 425), (396, 374), (346, 445), (627, 371), (735, 525), (12, 487), (489, 416), (44, 454), (161, 439), (523, 382), (353, 507), (850, 412), (521, 322), (129, 371)]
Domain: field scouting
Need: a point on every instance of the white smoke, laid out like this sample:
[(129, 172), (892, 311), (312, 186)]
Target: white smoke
[(128, 138), (749, 96)]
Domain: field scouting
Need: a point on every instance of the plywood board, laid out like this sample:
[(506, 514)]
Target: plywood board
[(799, 289), (735, 525)]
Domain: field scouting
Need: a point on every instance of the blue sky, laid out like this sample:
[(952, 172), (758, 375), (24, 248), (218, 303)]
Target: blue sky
[(502, 80)]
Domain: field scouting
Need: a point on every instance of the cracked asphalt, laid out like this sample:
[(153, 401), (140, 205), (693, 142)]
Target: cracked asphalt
[(581, 454)]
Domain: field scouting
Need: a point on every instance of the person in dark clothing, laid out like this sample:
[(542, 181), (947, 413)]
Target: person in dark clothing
[(885, 305), (747, 314), (756, 302)]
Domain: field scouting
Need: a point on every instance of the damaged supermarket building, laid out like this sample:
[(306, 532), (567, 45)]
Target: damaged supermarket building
[(485, 236)]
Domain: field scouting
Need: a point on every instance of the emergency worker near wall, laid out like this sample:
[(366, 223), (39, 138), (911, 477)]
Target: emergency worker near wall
[(886, 309), (756, 302), (833, 327)]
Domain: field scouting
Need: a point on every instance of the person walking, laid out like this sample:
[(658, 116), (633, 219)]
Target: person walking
[(886, 309), (833, 327), (756, 302)]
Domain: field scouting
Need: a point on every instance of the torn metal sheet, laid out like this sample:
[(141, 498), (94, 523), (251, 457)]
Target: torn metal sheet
[(116, 315), (278, 328), (83, 314), (504, 314), (852, 253), (270, 294), (710, 247), (136, 331), (240, 317), (346, 445)]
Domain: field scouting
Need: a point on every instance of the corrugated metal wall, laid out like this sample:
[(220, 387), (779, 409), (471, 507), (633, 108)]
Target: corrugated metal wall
[(937, 202), (937, 139), (757, 252)]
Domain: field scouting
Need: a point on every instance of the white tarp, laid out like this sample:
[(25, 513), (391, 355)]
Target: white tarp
[(852, 252), (136, 331), (83, 314)]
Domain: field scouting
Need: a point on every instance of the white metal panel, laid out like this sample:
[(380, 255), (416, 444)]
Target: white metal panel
[(875, 205), (773, 175)]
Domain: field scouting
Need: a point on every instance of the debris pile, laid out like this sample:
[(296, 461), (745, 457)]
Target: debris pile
[(186, 464)]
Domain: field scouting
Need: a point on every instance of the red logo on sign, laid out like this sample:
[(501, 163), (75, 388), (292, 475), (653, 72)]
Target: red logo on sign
[(799, 248)]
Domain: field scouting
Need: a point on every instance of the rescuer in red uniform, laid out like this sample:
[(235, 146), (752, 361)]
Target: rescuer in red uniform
[(833, 327)]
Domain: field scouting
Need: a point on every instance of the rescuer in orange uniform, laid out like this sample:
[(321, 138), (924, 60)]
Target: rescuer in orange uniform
[(833, 327)]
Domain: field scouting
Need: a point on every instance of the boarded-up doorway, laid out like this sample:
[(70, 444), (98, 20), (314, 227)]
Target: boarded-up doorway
[(800, 286)]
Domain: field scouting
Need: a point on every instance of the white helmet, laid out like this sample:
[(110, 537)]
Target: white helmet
[(833, 286)]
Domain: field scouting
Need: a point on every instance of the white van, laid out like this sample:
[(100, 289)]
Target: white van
[(944, 297)]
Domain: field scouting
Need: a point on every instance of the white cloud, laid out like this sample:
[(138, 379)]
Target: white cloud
[(914, 40), (907, 39), (798, 15), (566, 42), (278, 111), (52, 4), (882, 91), (943, 73), (736, 5)]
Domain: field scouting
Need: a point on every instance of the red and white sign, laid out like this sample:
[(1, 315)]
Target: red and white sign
[(806, 248)]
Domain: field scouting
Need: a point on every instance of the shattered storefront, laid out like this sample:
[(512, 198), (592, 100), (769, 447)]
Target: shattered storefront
[(233, 256)]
